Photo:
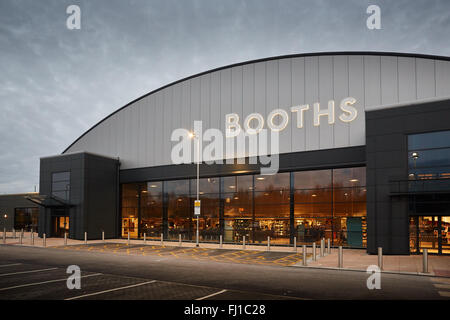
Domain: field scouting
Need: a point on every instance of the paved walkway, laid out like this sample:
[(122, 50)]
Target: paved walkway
[(359, 260), (354, 259)]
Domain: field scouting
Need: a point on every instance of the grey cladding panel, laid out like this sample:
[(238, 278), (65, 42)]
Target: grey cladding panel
[(140, 133)]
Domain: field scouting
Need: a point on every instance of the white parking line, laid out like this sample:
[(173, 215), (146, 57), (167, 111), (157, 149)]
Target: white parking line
[(10, 265), (442, 285), (444, 294), (44, 282), (22, 272), (212, 295), (110, 290)]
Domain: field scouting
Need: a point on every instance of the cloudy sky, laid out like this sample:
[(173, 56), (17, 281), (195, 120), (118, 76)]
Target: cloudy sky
[(56, 83)]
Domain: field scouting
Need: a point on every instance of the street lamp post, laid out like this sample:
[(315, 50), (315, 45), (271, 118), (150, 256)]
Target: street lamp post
[(195, 136)]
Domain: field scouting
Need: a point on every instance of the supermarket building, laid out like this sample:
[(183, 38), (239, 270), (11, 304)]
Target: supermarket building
[(364, 158)]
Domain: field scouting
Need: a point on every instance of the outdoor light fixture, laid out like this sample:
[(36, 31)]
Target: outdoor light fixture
[(415, 155), (353, 180), (260, 178), (153, 186), (6, 216)]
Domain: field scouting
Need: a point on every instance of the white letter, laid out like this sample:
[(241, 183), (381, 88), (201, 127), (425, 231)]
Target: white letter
[(346, 106), (374, 281), (318, 113), (374, 21), (258, 128), (300, 110), (74, 20), (213, 152), (74, 280), (232, 121), (181, 152), (283, 123)]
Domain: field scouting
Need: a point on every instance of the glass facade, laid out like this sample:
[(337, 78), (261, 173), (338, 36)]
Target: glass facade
[(309, 205), (26, 219), (61, 185), (429, 156)]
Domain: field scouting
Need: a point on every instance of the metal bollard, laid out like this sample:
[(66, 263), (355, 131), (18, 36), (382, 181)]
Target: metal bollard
[(145, 237), (103, 236), (305, 262), (380, 258), (322, 247), (44, 240), (32, 238), (243, 242), (14, 233), (4, 236), (128, 239), (295, 244), (268, 243), (340, 258), (328, 245), (425, 260), (85, 237), (162, 239), (65, 238), (179, 240), (220, 241), (20, 238), (314, 251)]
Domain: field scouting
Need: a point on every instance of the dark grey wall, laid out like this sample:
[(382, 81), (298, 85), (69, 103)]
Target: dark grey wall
[(329, 158), (8, 203), (387, 159), (93, 193)]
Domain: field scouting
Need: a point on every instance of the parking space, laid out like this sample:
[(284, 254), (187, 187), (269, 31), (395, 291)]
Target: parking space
[(40, 282), (219, 255)]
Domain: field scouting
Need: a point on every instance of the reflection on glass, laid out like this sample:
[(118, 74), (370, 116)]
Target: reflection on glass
[(326, 203)]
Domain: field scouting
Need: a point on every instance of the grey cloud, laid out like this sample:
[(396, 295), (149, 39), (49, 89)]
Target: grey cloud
[(56, 83)]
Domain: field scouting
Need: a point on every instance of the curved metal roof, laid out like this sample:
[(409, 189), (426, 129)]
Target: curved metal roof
[(337, 53)]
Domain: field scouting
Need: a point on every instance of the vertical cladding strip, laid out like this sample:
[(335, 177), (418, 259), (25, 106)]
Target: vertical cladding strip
[(236, 92), (176, 111), (311, 95), (225, 97), (426, 78), (272, 91), (260, 89), (325, 94), (285, 101), (195, 106), (159, 128), (248, 92), (406, 79), (340, 91), (298, 98), (372, 86), (215, 100), (205, 82), (442, 78), (356, 90), (389, 80)]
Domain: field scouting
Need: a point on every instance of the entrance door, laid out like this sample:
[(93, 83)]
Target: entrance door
[(60, 225), (430, 232)]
